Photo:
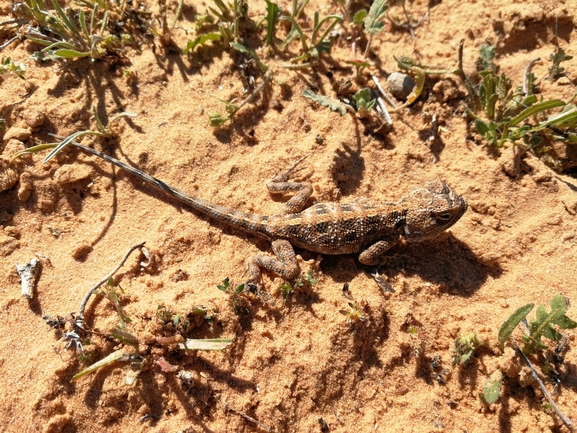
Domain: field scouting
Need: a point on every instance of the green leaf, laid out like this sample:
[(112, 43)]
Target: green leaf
[(362, 99), (113, 357), (225, 285), (492, 387), (566, 119), (482, 127), (536, 109), (556, 58), (68, 54), (124, 336), (67, 142), (272, 13), (113, 296), (511, 323), (217, 119), (373, 21), (205, 344), (359, 17), (333, 104), (201, 40), (487, 53), (542, 326)]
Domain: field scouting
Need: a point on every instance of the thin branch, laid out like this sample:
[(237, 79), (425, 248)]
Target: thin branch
[(80, 316), (248, 418), (535, 375), (472, 95)]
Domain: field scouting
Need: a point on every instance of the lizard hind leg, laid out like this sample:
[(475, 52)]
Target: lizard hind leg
[(285, 264), (285, 182)]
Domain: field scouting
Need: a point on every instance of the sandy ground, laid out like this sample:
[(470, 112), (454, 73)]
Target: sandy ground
[(294, 366)]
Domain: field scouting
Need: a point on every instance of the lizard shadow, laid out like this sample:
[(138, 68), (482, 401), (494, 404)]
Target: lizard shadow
[(445, 261)]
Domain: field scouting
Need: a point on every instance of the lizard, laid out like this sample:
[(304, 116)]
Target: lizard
[(360, 226)]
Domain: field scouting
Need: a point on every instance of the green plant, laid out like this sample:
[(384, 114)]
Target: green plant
[(103, 131), (541, 326), (228, 18), (363, 102), (515, 114), (556, 70), (217, 119), (234, 293), (272, 19), (545, 325), (487, 55), (316, 44), (17, 68), (110, 292), (71, 33), (332, 104), (300, 282), (357, 312), (465, 346), (373, 21)]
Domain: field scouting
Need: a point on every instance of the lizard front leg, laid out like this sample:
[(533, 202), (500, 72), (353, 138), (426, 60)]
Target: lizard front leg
[(370, 256), (282, 184), (285, 264)]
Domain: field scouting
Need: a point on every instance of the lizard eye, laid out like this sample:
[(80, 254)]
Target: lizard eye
[(444, 216)]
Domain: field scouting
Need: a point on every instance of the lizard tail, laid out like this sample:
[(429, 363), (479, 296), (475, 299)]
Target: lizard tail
[(251, 223)]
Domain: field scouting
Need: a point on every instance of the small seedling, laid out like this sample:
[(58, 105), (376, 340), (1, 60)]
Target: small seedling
[(492, 388), (318, 42), (514, 114), (17, 68), (542, 326), (487, 54), (333, 104), (234, 293), (465, 346), (374, 21), (300, 282), (111, 293), (357, 312), (556, 70), (71, 33), (218, 119), (229, 19), (418, 337), (363, 102)]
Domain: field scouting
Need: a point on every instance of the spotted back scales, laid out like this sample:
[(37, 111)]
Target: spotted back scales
[(360, 226)]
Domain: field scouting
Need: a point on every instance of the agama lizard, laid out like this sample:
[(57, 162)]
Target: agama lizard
[(359, 226)]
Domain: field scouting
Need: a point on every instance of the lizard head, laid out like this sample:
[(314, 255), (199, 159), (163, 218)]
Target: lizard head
[(431, 210)]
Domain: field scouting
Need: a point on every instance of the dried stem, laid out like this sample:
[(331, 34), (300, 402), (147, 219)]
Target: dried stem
[(80, 316), (535, 375)]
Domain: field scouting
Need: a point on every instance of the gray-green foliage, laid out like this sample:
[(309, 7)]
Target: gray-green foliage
[(374, 19), (465, 346), (512, 114), (229, 19), (17, 68), (333, 104), (70, 32), (543, 325), (556, 70), (362, 100)]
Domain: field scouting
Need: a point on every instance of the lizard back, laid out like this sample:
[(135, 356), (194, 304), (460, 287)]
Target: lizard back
[(337, 228)]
